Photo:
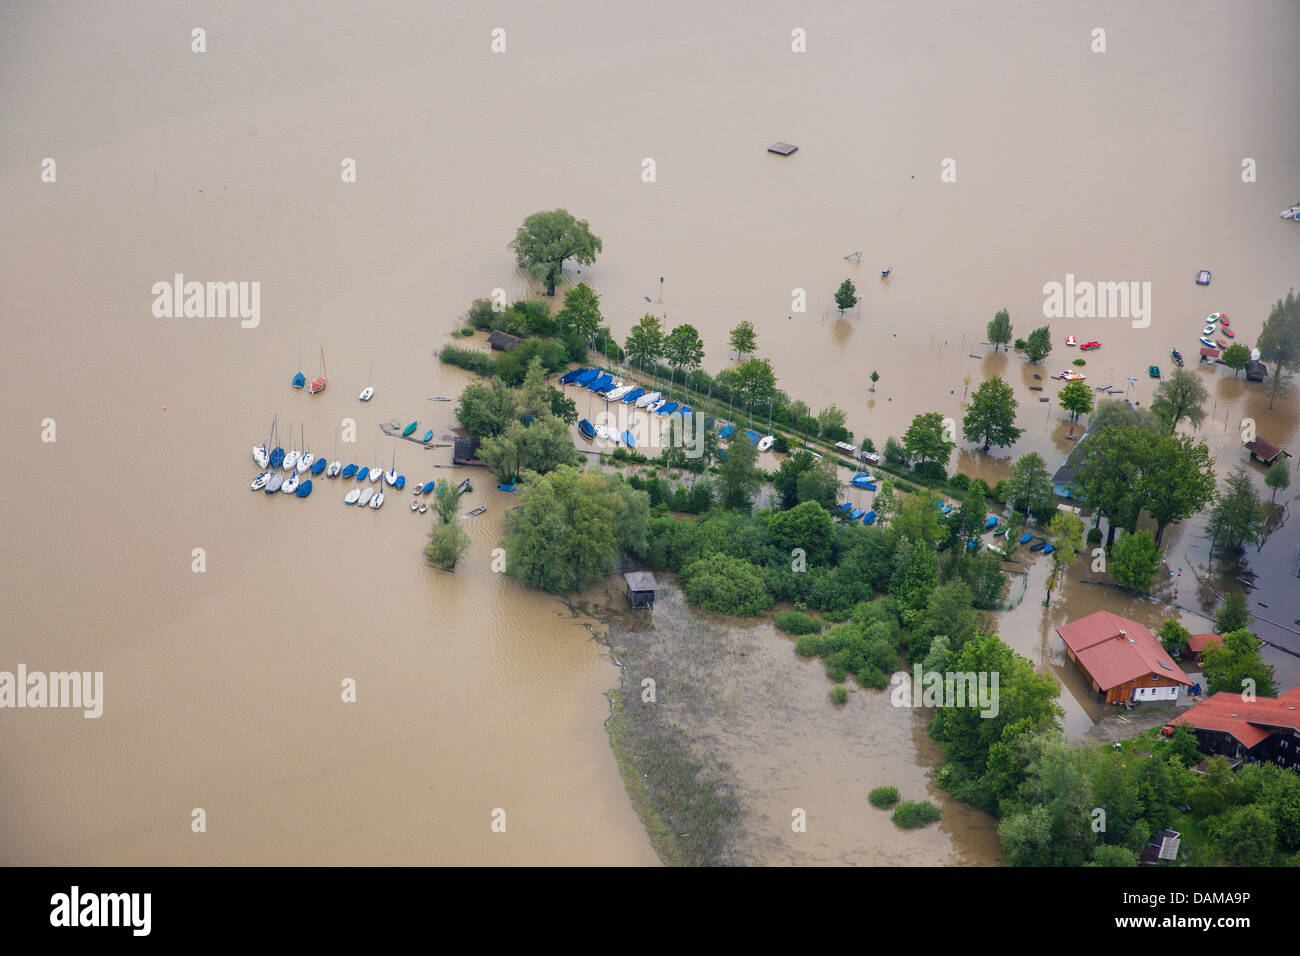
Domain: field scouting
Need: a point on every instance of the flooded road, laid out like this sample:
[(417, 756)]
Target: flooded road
[(223, 687)]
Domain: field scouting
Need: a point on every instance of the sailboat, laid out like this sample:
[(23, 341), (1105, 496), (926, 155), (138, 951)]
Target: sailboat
[(349, 470), (352, 496), (274, 484), (305, 460), (277, 453), (291, 485), (318, 384), (391, 475), (366, 494), (261, 453), (378, 470), (317, 467), (378, 500), (291, 457), (368, 392), (304, 489), (260, 481), (299, 380)]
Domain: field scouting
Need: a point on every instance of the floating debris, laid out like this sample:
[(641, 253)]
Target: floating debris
[(782, 149)]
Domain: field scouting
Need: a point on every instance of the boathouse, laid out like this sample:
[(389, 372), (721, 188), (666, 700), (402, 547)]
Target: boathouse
[(1063, 483), (1256, 371), (1121, 659), (1199, 643), (1263, 450), (641, 588), (464, 451), (1264, 730), (504, 341)]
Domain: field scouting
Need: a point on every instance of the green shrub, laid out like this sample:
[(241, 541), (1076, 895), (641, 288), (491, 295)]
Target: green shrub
[(480, 315), (883, 797), (727, 585), (915, 813), (1094, 536), (960, 481), (797, 622), (471, 359), (467, 331), (780, 445), (1018, 344), (1080, 362), (839, 694), (810, 646)]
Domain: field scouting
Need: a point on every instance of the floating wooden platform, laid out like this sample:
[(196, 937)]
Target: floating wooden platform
[(782, 149)]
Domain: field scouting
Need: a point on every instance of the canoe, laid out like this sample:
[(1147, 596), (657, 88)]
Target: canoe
[(586, 429), (1224, 322), (304, 489), (428, 436), (633, 395), (318, 466), (1026, 537), (477, 511), (766, 442), (1089, 346), (649, 399), (629, 439), (408, 429), (1037, 547), (349, 471)]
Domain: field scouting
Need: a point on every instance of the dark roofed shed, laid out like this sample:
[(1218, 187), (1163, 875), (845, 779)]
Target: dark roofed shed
[(641, 588)]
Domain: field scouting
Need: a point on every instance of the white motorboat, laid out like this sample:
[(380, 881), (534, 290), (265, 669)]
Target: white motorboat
[(260, 481), (606, 434), (655, 406), (766, 442)]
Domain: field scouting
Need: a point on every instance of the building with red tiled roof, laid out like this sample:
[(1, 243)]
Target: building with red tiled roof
[(1198, 643), (1263, 730), (1123, 660)]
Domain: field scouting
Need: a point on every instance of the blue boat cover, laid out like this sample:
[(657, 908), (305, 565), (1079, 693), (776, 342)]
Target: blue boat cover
[(972, 544), (869, 518), (277, 457), (601, 382), (1025, 537), (587, 377), (1047, 549), (629, 439), (991, 522), (633, 395), (428, 436), (299, 381), (856, 513), (667, 409), (363, 474), (726, 431), (570, 375), (400, 483), (318, 466), (505, 487), (587, 429), (847, 506), (304, 489), (349, 471), (684, 410), (753, 436)]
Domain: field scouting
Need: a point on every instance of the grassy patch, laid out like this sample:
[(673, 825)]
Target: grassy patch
[(839, 694), (915, 813), (883, 797)]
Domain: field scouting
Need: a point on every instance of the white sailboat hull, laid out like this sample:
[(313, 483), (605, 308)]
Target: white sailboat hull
[(352, 496)]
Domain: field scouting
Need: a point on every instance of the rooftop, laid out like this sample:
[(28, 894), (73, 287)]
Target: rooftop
[(1248, 721), (1114, 650)]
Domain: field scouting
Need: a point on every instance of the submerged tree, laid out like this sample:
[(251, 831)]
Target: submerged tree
[(1136, 560), (1180, 396), (1065, 531), (683, 348), (999, 330), (1278, 476), (1238, 515), (1076, 398), (744, 339), (1235, 356), (581, 312), (846, 296), (990, 420), (546, 239), (1279, 340), (1039, 344)]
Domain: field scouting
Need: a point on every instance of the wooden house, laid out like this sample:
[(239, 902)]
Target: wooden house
[(1256, 371), (1263, 450), (503, 341), (1264, 730), (1122, 659), (641, 588), (465, 452)]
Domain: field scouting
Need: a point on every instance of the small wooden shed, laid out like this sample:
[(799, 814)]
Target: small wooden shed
[(465, 452), (503, 341), (1256, 371), (1264, 451), (641, 588)]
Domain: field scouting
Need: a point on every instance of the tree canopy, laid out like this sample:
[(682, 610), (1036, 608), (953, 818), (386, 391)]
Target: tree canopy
[(1279, 340), (1180, 396), (743, 339), (990, 420), (999, 329), (1039, 344), (546, 239)]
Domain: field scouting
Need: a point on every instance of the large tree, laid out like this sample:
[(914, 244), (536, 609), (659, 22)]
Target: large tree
[(755, 381), (581, 312), (744, 339), (999, 329), (1029, 487), (486, 410), (683, 348), (1110, 475), (1065, 531), (1039, 344), (645, 343), (546, 239), (926, 441), (1180, 396), (540, 446), (1278, 476), (1076, 398), (1235, 356), (572, 527), (1279, 340), (1177, 480), (738, 477), (1136, 560), (846, 296), (1228, 665), (990, 419), (1238, 515)]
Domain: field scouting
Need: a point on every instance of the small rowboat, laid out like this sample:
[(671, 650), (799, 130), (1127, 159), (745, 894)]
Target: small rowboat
[(1208, 330), (400, 483), (1219, 343), (406, 432), (429, 486), (418, 488), (363, 474), (475, 513), (415, 504), (1089, 346), (629, 439), (1153, 371), (352, 496), (349, 471), (1223, 321), (1227, 331), (1203, 277), (1214, 317), (367, 393), (1206, 342), (424, 507), (464, 487)]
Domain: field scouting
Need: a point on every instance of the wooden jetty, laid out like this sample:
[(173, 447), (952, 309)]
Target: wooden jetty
[(392, 432)]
